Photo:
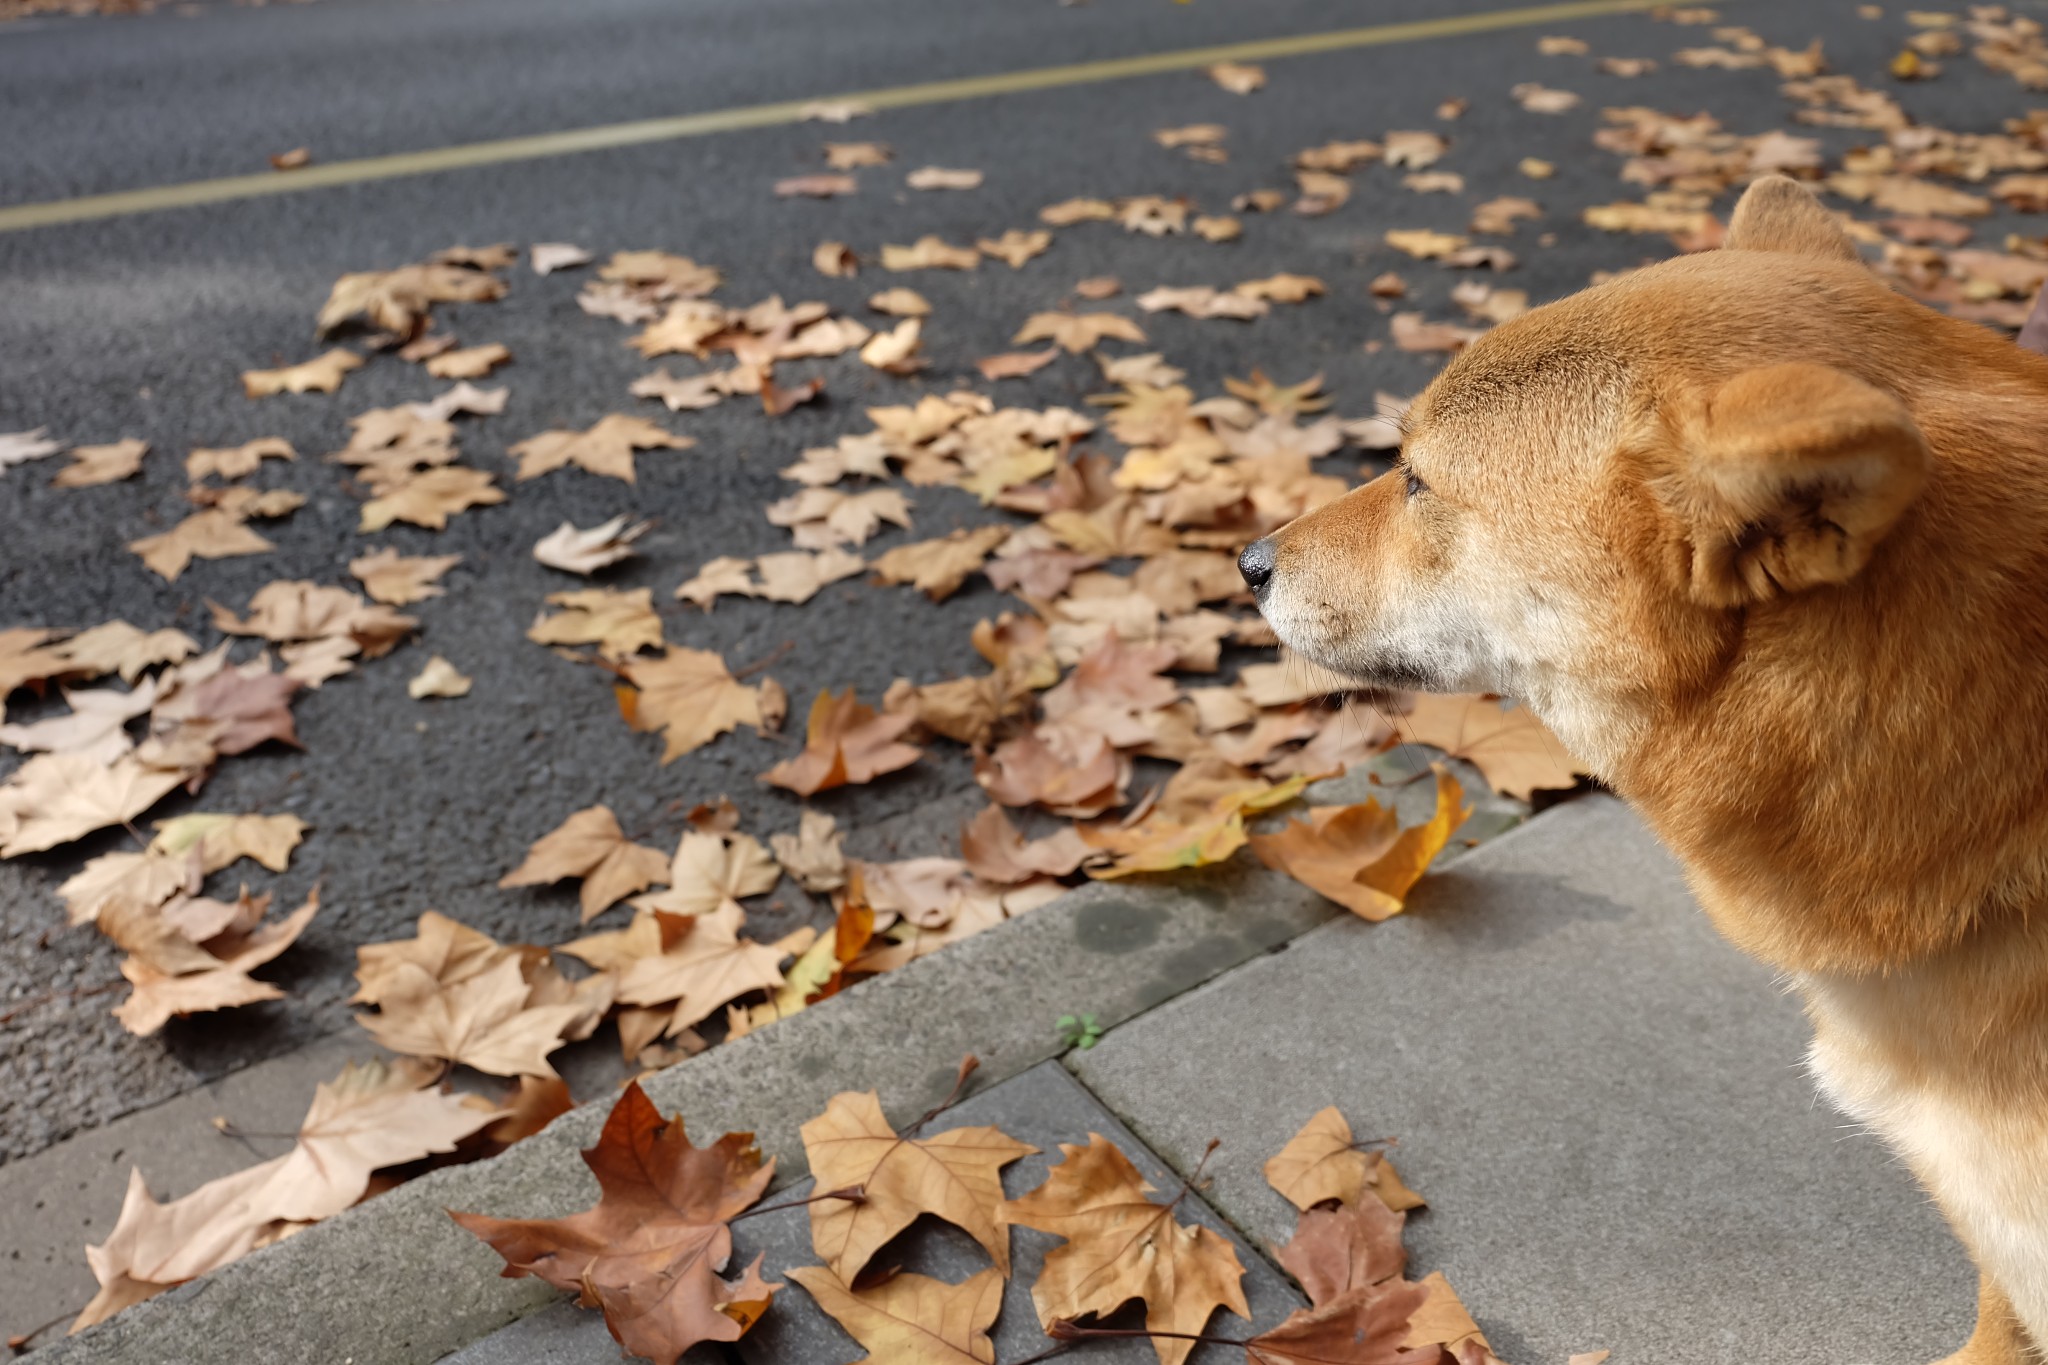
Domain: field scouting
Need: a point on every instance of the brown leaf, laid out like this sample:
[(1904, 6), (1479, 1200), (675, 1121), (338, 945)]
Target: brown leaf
[(606, 448), (220, 841), (237, 707), (851, 156), (590, 845), (939, 567), (696, 964), (896, 350), (1441, 1320), (929, 253), (1016, 364), (96, 727), (398, 580), (445, 950), (429, 498), (211, 534), (1358, 856), (1077, 332), (1511, 748), (577, 551), (1322, 1162), (711, 868), (548, 257), (913, 1319), (692, 697), (940, 178), (472, 363), (1239, 78), (954, 1176), (1541, 99), (481, 1021), (1422, 243), (650, 1251), (845, 742), (812, 855), (1016, 246), (1335, 1251), (1370, 1326), (288, 610), (995, 852), (55, 798), (320, 375), (819, 186), (1121, 1246), (94, 465), (115, 647), (620, 622), (835, 259), (398, 301), (174, 976)]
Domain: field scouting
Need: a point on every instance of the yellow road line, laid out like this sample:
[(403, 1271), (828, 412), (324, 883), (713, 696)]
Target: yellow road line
[(465, 155)]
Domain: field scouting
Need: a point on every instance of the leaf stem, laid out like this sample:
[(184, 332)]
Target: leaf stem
[(852, 1194)]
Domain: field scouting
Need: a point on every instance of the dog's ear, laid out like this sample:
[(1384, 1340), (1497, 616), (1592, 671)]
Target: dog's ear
[(1779, 214), (1790, 477)]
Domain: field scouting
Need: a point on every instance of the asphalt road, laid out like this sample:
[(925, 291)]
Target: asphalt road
[(138, 326)]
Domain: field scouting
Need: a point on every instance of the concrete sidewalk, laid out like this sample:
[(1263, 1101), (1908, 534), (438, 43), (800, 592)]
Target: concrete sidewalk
[(1601, 1100)]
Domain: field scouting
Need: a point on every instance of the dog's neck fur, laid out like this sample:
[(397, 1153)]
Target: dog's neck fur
[(1955, 838)]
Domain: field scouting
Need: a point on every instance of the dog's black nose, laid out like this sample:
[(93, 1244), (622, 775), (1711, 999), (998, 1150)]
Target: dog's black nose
[(1256, 563)]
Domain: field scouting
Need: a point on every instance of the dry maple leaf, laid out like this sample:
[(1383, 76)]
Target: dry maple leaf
[(481, 1021), (1340, 1248), (912, 1319), (1322, 1162), (1369, 1326), (812, 855), (463, 398), (211, 534), (1016, 364), (154, 1247), (445, 950), (1283, 288), (1541, 99), (56, 798), (1077, 332), (1068, 212), (173, 975), (233, 708), (895, 350), (473, 362), (1168, 840), (710, 869), (620, 623), (606, 448), (94, 465), (289, 609), (96, 727), (820, 186), (1440, 1322), (1239, 78), (438, 678), (696, 964), (845, 742), (1213, 227), (648, 1254), (954, 1175), (822, 518), (938, 567), (995, 852), (590, 845), (1412, 333), (900, 302), (17, 447), (1512, 749), (430, 497), (1359, 856), (548, 257), (1122, 1246), (1201, 301), (929, 253), (585, 552), (398, 300), (851, 156), (116, 647), (221, 840), (323, 374), (941, 178), (692, 697), (1016, 246), (235, 462), (398, 580)]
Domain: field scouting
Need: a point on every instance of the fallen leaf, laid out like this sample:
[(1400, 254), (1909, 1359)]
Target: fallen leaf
[(708, 965), (954, 1176), (96, 727), (649, 1252), (438, 678), (1358, 855), (820, 518), (173, 976), (1239, 78), (548, 257), (835, 259), (1412, 333), (429, 498), (995, 852), (235, 462), (398, 301), (912, 1319), (1015, 247), (590, 845), (473, 363), (1201, 301), (1370, 1326), (606, 448), (222, 840), (710, 869), (585, 552), (1016, 364), (929, 253), (1511, 748), (836, 111), (819, 186), (1338, 1249), (58, 797), (398, 580), (851, 156), (900, 302), (1535, 168), (1218, 227), (939, 178), (1283, 288), (1322, 1162), (894, 350), (115, 647), (620, 622), (812, 856), (1423, 244), (21, 446), (690, 696), (1415, 150), (94, 465), (845, 742), (1077, 332), (320, 375), (1121, 1246), (1551, 46), (1068, 212), (1541, 99), (481, 1021), (1441, 1322), (938, 567)]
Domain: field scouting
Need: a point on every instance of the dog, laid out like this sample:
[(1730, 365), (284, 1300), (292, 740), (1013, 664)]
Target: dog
[(1766, 544)]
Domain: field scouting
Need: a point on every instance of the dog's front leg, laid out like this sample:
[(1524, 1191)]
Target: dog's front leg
[(1999, 1338)]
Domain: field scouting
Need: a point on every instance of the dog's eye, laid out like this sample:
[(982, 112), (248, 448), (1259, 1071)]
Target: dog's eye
[(1414, 481)]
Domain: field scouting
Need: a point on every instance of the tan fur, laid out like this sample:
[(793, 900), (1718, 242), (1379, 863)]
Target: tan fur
[(1767, 544)]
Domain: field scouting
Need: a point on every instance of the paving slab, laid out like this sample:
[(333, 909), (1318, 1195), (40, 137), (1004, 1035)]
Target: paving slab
[(1602, 1100), (1044, 1107), (393, 1280)]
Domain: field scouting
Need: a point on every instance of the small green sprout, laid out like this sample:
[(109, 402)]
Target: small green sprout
[(1078, 1030)]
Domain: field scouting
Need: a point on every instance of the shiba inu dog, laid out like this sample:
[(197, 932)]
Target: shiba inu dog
[(1766, 544)]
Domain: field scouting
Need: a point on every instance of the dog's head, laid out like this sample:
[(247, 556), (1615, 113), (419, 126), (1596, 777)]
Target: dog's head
[(1590, 497)]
